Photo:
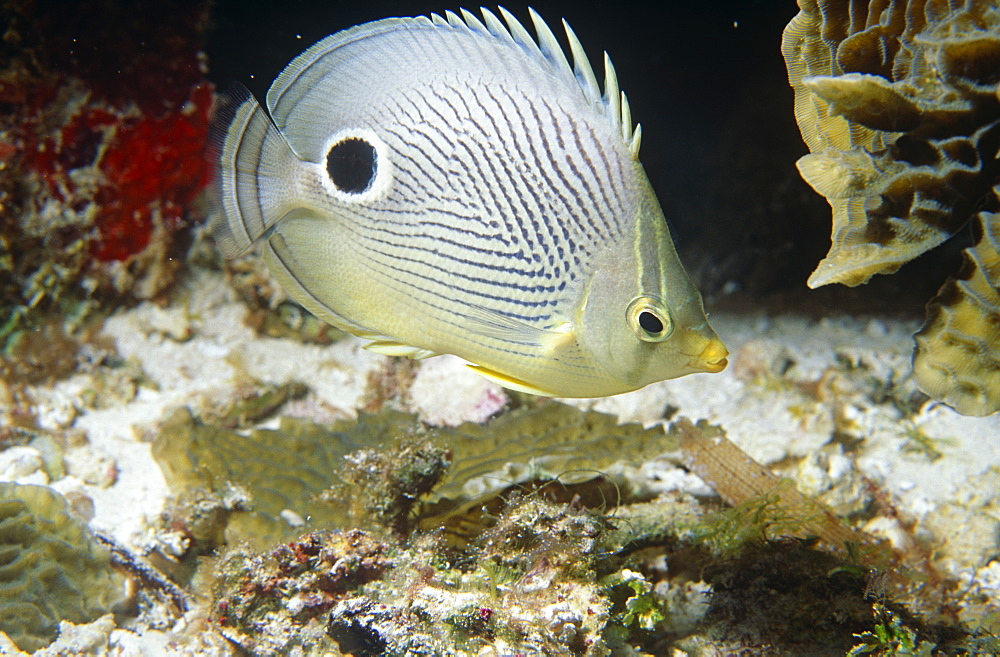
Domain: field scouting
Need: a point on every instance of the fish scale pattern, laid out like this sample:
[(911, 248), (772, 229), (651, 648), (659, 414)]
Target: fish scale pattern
[(899, 104)]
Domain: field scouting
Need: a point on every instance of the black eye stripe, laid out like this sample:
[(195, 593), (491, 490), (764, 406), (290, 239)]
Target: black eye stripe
[(352, 164)]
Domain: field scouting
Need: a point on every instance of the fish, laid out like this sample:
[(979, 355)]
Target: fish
[(446, 184)]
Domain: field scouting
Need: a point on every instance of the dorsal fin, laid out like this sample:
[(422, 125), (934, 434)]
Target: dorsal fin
[(285, 93), (581, 73)]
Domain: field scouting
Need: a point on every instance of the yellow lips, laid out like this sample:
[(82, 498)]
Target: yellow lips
[(712, 358)]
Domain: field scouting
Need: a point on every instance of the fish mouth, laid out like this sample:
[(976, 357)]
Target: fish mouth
[(712, 358)]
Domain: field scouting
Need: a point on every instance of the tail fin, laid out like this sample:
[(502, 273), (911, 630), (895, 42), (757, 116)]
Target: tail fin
[(255, 168)]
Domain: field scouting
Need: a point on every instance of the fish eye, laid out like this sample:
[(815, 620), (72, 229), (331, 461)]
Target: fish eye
[(649, 319), (352, 164)]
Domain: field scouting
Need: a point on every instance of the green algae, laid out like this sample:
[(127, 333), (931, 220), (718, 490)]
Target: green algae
[(51, 567)]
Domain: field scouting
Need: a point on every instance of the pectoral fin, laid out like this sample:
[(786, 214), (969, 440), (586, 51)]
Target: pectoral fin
[(549, 341)]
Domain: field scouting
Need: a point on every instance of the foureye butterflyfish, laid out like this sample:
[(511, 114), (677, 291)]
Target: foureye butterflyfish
[(452, 185)]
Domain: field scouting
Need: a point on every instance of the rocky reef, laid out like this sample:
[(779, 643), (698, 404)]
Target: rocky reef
[(101, 156), (899, 105), (263, 485)]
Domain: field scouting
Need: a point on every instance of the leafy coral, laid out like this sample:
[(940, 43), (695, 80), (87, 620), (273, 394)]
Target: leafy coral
[(301, 466), (898, 104)]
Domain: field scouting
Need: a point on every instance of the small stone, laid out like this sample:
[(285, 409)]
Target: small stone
[(292, 518), (22, 465), (876, 328), (761, 358), (57, 412), (92, 466), (891, 530), (76, 494), (445, 393), (173, 323)]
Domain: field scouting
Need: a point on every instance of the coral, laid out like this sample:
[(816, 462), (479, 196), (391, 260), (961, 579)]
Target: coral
[(898, 104), (284, 470), (51, 568), (542, 562), (957, 359), (539, 442), (299, 470)]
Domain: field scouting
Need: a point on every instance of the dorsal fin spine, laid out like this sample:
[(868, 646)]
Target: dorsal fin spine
[(548, 43), (611, 92), (547, 46), (455, 20), (518, 33), (581, 65), (474, 23), (495, 26)]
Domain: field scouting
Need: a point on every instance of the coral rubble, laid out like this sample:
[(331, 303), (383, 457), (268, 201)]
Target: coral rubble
[(530, 587), (898, 103)]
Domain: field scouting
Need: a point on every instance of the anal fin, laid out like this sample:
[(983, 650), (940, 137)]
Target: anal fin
[(508, 381)]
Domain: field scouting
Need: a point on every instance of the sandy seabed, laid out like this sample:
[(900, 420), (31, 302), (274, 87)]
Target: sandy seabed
[(798, 396)]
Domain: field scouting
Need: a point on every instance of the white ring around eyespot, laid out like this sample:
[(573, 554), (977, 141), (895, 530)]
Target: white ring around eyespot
[(379, 187)]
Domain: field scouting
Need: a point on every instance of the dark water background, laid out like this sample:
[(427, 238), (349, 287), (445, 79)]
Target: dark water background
[(708, 83)]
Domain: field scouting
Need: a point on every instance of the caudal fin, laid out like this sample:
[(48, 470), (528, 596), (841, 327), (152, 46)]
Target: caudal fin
[(254, 174)]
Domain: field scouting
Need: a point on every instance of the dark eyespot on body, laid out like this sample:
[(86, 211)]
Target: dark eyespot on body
[(352, 164), (650, 322)]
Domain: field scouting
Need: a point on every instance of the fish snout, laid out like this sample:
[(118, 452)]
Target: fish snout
[(711, 358)]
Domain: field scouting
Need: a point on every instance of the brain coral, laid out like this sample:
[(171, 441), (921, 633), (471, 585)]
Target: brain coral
[(51, 568), (898, 102)]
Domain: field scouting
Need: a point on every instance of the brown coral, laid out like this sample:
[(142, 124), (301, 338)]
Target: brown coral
[(958, 350), (898, 104), (51, 567)]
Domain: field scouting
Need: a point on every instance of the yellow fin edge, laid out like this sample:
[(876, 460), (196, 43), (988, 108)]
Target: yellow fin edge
[(508, 381)]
